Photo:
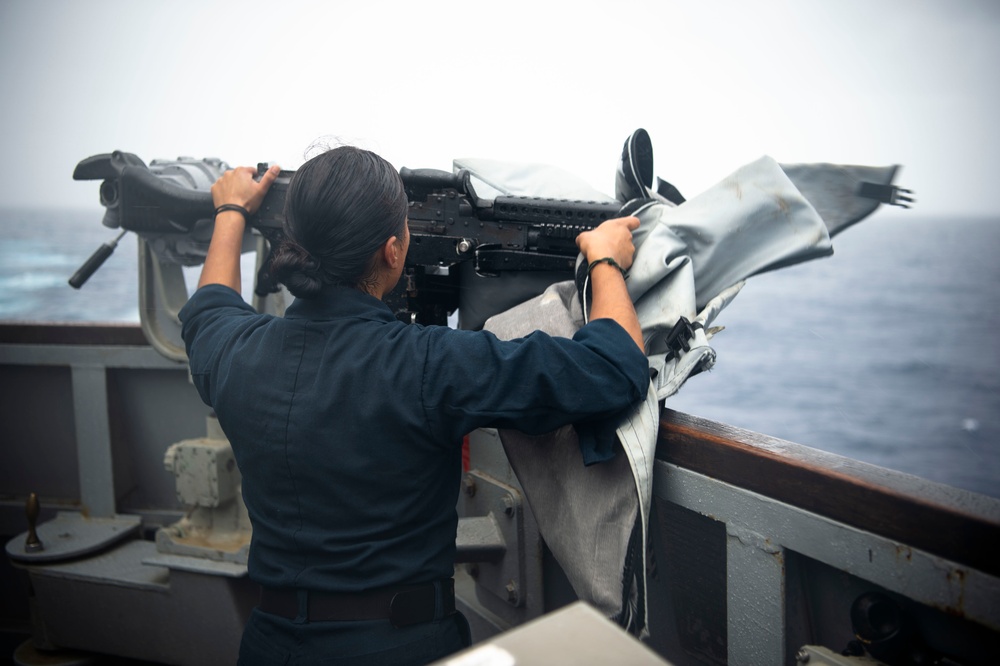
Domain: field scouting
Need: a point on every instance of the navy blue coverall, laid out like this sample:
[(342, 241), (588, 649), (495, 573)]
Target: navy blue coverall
[(347, 427)]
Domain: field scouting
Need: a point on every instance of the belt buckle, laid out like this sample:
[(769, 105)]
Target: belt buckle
[(412, 606)]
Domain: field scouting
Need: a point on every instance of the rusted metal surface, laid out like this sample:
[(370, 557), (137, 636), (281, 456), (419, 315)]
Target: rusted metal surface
[(949, 522)]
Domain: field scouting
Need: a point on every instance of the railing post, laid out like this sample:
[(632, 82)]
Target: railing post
[(93, 440), (755, 583)]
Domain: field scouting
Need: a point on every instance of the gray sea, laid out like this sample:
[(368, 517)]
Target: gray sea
[(887, 352)]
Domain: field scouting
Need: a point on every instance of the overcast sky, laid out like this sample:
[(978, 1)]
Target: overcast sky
[(716, 85)]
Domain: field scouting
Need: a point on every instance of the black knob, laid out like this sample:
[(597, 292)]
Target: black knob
[(32, 544)]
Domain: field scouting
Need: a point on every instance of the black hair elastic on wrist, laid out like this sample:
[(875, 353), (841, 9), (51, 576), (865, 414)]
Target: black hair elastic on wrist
[(605, 260), (239, 209)]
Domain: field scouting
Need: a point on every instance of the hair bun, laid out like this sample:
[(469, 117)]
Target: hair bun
[(293, 266), (310, 264)]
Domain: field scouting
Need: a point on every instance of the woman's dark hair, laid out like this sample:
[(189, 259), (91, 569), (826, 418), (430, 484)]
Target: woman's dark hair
[(341, 206)]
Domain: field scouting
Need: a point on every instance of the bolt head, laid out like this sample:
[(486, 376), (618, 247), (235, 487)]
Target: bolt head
[(511, 588)]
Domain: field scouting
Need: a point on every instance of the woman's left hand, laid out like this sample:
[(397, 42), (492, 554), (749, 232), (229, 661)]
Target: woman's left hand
[(238, 186)]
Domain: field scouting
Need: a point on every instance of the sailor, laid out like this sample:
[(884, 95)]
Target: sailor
[(347, 424)]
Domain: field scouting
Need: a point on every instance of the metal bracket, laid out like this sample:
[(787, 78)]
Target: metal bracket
[(162, 294), (491, 537)]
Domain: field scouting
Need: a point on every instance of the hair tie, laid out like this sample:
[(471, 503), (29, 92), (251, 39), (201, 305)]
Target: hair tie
[(239, 209), (605, 260)]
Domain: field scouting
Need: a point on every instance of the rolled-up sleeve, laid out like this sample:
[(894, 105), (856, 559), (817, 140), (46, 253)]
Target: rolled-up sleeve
[(535, 384), (209, 321)]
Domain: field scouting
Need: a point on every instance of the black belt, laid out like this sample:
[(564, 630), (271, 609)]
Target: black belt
[(402, 605)]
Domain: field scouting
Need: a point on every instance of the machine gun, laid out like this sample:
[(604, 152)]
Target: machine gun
[(169, 203)]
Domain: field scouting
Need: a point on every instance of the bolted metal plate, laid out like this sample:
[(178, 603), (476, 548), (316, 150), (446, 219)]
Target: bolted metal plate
[(72, 534), (494, 508)]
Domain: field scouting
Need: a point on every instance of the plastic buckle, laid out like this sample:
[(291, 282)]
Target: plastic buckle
[(679, 337)]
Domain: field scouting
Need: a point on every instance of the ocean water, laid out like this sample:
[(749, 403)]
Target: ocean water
[(887, 352), (41, 249)]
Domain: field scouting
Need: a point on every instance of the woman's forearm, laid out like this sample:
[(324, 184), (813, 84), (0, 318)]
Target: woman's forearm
[(222, 264), (611, 301)]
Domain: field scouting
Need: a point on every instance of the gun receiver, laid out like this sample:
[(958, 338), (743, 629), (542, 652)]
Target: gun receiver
[(450, 223)]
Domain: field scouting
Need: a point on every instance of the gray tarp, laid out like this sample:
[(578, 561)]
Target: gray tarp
[(691, 261)]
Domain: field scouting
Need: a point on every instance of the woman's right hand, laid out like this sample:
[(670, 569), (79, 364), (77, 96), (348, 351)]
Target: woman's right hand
[(612, 238)]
